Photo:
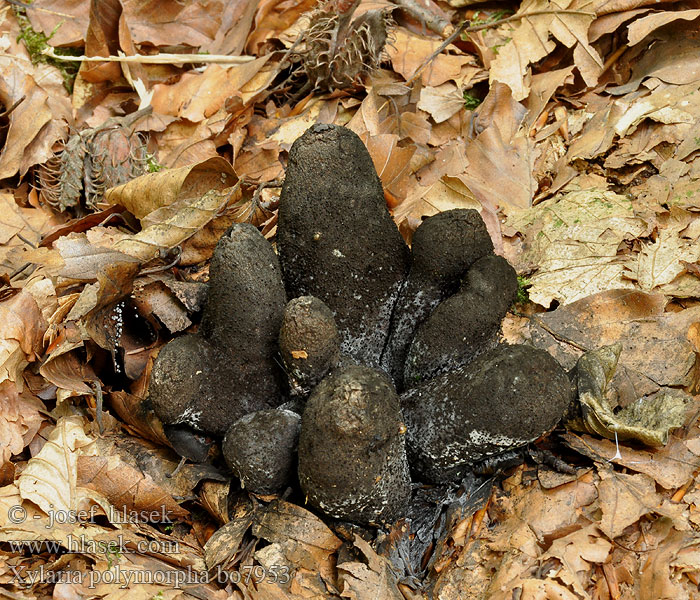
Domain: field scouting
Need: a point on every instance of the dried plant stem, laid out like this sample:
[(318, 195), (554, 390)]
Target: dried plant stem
[(158, 59), (466, 28), (430, 19)]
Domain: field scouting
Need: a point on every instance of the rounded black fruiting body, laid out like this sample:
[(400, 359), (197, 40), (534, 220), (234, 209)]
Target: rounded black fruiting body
[(505, 398), (261, 448), (309, 343), (352, 459)]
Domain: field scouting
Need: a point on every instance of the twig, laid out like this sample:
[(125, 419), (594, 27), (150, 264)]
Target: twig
[(15, 105), (158, 59), (430, 19), (466, 28), (98, 403)]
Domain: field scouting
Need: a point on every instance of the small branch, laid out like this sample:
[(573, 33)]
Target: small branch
[(157, 59), (466, 28), (431, 20), (15, 105)]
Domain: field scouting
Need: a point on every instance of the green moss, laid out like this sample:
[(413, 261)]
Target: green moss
[(36, 43), (152, 164), (470, 100), (523, 284)]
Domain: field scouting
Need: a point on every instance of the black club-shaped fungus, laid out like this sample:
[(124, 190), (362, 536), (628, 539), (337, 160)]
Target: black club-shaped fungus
[(352, 458), (463, 325), (228, 369), (444, 247), (504, 399), (336, 239)]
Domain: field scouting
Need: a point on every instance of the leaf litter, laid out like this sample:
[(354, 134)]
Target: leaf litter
[(573, 132)]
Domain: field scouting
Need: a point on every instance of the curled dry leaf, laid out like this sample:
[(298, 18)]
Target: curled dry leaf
[(225, 543), (50, 479), (22, 329), (150, 192), (648, 420), (190, 204), (671, 466), (42, 111), (197, 96), (635, 319), (373, 577), (20, 420), (132, 475), (298, 540)]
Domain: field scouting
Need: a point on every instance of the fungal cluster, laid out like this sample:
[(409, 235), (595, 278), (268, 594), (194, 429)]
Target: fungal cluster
[(348, 362)]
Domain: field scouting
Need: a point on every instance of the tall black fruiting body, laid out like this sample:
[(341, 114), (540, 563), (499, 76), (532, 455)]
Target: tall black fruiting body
[(444, 248), (228, 369), (336, 239)]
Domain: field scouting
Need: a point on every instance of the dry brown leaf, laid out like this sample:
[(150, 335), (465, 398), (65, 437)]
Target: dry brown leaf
[(299, 541), (150, 192), (137, 416), (643, 26), (67, 20), (529, 42), (659, 261), (624, 499), (20, 420), (409, 51), (225, 543), (573, 239), (671, 466), (415, 125), (441, 102), (445, 194), (28, 222), (33, 130), (272, 18), (157, 299), (67, 370), (675, 60), (577, 551), (133, 476), (661, 573), (373, 579), (283, 521), (193, 23), (197, 96), (42, 111), (391, 161), (182, 144), (50, 479), (236, 20), (22, 329), (543, 86), (638, 321)]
